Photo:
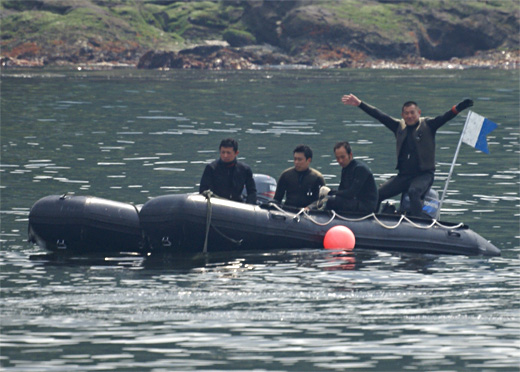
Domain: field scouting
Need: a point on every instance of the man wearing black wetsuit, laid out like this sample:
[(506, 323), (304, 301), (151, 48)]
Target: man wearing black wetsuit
[(415, 148), (299, 184), (357, 191), (226, 176)]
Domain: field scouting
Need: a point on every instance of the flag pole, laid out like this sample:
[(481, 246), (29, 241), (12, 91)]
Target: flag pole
[(452, 165)]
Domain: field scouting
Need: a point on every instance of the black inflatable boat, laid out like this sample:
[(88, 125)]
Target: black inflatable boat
[(188, 224), (85, 224)]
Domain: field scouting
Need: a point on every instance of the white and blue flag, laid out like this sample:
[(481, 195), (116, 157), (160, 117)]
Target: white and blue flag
[(475, 131), (474, 134)]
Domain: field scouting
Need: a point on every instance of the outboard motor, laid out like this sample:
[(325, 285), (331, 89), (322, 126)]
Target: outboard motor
[(265, 188), (431, 204)]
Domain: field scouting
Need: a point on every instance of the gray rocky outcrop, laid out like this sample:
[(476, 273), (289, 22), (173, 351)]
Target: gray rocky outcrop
[(254, 33)]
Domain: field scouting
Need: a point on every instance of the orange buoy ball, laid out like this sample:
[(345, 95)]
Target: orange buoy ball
[(339, 237)]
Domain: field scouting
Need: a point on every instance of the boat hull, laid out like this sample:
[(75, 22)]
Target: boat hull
[(179, 222), (85, 225), (188, 224)]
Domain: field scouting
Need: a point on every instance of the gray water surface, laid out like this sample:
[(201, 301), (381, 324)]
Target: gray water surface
[(131, 135)]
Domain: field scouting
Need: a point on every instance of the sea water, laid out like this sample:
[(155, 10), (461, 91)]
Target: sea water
[(131, 135)]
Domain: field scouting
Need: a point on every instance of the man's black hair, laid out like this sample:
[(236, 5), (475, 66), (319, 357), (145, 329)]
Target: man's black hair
[(344, 144), (409, 103), (229, 142), (307, 151)]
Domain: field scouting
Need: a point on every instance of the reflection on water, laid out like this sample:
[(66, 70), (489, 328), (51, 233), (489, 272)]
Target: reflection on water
[(132, 135), (385, 312)]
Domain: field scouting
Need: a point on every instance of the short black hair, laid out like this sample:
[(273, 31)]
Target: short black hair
[(229, 142), (409, 103), (344, 144), (307, 151)]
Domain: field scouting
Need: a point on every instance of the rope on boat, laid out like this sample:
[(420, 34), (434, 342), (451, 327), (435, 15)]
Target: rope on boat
[(372, 215), (321, 223), (209, 211)]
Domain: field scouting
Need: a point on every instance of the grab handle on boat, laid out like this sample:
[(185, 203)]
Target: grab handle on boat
[(166, 241), (454, 234), (66, 195), (277, 216)]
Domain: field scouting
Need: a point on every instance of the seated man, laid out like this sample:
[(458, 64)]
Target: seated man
[(357, 190), (299, 184), (226, 176)]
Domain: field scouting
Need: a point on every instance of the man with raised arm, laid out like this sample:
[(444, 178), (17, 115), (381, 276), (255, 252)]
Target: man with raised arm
[(415, 148)]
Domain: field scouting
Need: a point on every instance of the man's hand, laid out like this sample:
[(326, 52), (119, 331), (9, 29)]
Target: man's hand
[(351, 100), (464, 105), (324, 191)]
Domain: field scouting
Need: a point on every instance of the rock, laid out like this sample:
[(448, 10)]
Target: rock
[(442, 37), (18, 62), (202, 50), (159, 59), (264, 18), (255, 33), (212, 57), (268, 55), (321, 34), (238, 38)]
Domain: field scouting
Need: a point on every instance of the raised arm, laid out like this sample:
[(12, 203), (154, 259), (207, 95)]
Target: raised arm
[(440, 120), (387, 120), (351, 100)]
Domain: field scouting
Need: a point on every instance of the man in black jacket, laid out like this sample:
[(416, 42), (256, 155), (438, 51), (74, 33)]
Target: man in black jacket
[(299, 184), (415, 148), (357, 191), (226, 176)]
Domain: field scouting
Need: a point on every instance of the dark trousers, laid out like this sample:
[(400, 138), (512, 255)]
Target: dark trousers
[(340, 204), (415, 185)]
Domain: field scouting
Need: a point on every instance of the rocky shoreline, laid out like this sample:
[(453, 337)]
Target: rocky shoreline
[(215, 57), (246, 35), (224, 58)]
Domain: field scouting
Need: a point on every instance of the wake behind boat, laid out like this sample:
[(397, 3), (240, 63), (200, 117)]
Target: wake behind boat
[(188, 224)]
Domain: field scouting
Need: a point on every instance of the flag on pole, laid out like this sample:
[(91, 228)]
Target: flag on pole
[(475, 131), (474, 134)]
